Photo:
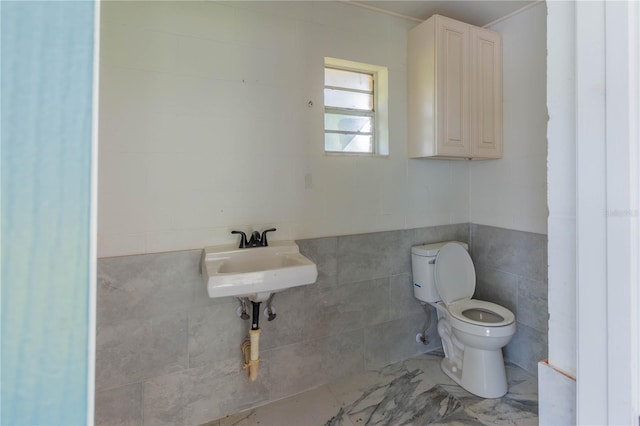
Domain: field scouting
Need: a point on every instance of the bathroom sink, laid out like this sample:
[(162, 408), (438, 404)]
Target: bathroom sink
[(255, 272)]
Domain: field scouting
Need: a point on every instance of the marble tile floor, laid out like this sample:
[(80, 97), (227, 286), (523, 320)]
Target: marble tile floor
[(410, 392)]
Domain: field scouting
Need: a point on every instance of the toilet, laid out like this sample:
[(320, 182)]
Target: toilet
[(473, 332)]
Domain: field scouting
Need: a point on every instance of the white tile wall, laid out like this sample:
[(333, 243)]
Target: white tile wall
[(205, 128), (512, 192)]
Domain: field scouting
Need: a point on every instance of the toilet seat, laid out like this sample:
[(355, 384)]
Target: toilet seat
[(454, 273), (460, 310), (456, 283)]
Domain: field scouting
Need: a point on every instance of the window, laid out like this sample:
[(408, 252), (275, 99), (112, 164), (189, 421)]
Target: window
[(355, 108)]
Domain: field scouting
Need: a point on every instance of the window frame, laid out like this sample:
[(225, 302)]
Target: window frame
[(379, 113)]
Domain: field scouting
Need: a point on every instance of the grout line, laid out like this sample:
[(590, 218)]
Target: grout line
[(188, 339), (142, 401)]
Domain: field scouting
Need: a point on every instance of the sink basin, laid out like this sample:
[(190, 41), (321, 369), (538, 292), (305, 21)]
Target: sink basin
[(255, 272)]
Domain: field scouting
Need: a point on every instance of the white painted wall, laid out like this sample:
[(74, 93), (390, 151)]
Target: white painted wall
[(562, 186), (512, 192), (205, 128), (557, 406)]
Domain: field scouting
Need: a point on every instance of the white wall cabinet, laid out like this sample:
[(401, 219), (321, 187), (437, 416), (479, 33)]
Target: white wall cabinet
[(455, 90)]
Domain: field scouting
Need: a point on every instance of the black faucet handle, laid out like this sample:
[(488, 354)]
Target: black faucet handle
[(263, 239), (243, 239)]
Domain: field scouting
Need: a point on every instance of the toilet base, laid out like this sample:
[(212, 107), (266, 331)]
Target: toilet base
[(451, 370), (483, 373)]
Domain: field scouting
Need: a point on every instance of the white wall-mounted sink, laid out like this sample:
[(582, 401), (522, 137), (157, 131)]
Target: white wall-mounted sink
[(255, 272)]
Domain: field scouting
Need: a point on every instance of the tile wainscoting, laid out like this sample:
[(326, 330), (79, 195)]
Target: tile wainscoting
[(168, 354), (511, 270)]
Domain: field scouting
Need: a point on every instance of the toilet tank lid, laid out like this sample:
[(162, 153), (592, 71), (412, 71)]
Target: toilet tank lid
[(429, 250)]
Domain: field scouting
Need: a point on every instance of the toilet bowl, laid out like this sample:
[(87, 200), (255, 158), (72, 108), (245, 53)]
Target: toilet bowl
[(473, 332)]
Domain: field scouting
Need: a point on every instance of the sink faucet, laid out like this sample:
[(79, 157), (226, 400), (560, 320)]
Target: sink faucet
[(256, 240)]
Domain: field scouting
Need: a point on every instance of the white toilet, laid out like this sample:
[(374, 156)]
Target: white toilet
[(473, 332)]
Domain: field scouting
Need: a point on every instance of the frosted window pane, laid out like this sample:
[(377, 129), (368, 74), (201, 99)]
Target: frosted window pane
[(348, 123), (348, 143), (352, 100), (348, 79)]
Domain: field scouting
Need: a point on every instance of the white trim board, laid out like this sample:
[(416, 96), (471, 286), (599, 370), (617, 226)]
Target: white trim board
[(607, 216)]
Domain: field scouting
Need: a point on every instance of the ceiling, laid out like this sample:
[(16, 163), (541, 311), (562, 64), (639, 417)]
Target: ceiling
[(476, 12)]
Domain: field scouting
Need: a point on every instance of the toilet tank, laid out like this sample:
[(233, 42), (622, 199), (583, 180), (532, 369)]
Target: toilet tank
[(423, 264)]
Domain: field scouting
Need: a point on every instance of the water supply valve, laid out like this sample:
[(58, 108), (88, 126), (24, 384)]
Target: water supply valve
[(422, 338), (270, 313), (242, 309)]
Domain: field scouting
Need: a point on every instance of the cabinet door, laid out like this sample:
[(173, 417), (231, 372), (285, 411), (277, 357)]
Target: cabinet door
[(452, 81), (486, 94)]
